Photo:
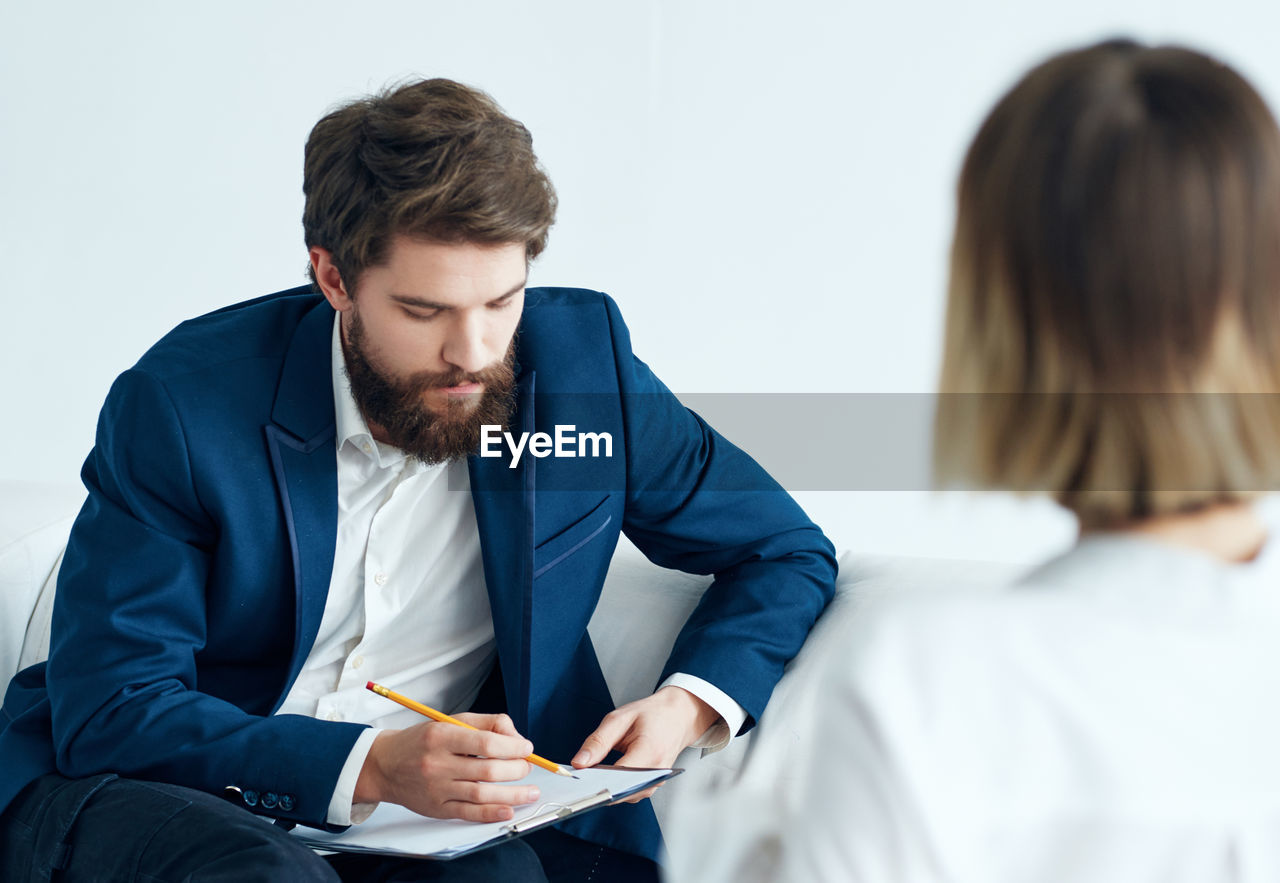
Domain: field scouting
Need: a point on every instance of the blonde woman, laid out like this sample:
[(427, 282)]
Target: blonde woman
[(1112, 335)]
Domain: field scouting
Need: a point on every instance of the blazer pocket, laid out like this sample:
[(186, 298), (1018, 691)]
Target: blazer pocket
[(573, 538)]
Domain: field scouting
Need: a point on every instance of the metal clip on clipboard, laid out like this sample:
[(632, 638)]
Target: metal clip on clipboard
[(561, 811)]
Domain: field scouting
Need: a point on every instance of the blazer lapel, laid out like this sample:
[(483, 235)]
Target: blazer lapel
[(301, 444), (503, 498)]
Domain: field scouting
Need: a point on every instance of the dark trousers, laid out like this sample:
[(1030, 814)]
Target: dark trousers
[(106, 829)]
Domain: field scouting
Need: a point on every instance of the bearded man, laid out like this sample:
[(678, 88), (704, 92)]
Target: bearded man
[(286, 501)]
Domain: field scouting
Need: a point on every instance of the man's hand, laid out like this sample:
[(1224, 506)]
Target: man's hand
[(444, 771), (651, 731)]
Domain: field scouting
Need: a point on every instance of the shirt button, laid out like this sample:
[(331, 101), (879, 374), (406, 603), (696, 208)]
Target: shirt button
[(380, 579), (357, 662), (335, 716), (364, 446)]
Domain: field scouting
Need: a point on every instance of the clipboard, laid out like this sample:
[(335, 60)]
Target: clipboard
[(394, 830)]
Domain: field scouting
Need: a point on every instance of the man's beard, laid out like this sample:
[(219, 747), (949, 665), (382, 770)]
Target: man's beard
[(396, 405)]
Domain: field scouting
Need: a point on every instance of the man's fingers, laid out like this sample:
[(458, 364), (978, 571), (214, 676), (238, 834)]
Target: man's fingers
[(481, 793), (476, 812), (642, 754), (495, 723), (503, 724), (594, 748), (460, 740), (482, 802), (643, 795), (489, 769)]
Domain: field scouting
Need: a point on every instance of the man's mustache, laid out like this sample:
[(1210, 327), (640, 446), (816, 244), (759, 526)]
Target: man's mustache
[(425, 381)]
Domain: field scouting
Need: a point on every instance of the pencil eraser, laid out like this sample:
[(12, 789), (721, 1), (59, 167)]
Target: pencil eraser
[(368, 685)]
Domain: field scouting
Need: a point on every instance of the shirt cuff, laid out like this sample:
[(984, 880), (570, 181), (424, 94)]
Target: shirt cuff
[(341, 810), (732, 715)]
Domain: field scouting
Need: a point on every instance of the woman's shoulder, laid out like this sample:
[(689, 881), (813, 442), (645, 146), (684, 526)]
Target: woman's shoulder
[(1036, 689)]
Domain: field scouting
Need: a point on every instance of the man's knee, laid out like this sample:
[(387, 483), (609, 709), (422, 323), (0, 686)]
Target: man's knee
[(106, 829), (249, 853), (210, 840)]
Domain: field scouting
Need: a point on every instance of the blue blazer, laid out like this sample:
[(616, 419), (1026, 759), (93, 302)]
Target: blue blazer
[(195, 577)]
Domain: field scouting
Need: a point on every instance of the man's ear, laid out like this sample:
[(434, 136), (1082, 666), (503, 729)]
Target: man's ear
[(329, 279)]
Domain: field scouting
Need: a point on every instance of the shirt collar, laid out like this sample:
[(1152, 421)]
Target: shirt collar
[(350, 423)]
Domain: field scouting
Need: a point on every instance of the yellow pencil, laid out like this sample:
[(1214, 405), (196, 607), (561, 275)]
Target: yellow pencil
[(446, 719)]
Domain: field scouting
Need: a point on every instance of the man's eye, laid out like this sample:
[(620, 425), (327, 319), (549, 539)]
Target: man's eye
[(502, 304), (421, 316)]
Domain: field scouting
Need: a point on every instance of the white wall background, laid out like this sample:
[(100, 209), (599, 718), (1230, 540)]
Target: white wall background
[(764, 187)]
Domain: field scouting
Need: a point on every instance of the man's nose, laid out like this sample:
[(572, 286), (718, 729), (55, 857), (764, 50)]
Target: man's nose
[(465, 347)]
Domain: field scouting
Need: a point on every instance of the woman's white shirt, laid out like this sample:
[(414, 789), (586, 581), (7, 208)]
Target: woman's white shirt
[(1113, 716)]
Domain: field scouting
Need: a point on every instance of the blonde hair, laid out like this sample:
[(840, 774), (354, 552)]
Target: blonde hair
[(1114, 296)]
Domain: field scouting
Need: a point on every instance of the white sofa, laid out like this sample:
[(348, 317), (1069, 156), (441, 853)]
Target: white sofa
[(633, 628)]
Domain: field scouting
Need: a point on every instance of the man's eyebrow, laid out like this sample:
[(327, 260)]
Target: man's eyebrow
[(410, 300)]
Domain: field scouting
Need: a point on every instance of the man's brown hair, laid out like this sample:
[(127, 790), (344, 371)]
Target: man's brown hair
[(1113, 327), (433, 159)]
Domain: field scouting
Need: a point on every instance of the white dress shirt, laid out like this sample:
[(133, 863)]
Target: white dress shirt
[(407, 604), (1112, 718)]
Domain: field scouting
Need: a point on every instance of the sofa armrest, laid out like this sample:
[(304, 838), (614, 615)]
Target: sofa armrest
[(35, 520)]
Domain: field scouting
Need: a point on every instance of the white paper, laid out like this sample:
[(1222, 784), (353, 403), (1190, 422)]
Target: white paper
[(392, 828)]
